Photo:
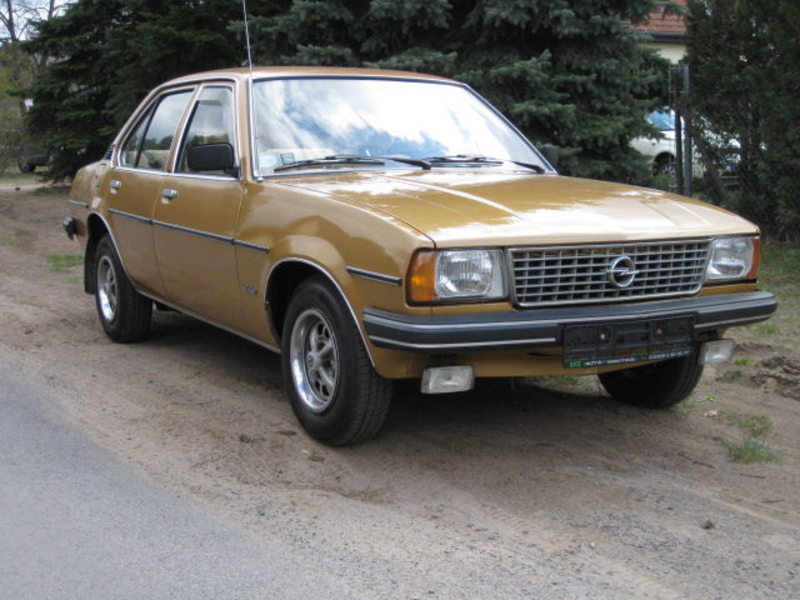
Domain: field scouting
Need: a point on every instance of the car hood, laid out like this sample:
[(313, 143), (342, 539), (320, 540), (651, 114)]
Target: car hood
[(491, 207)]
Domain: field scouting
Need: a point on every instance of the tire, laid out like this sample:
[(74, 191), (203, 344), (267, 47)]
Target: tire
[(124, 313), (26, 167), (335, 393), (658, 385), (666, 165)]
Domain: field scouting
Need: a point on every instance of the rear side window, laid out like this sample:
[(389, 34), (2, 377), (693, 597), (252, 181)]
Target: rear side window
[(212, 122), (149, 145)]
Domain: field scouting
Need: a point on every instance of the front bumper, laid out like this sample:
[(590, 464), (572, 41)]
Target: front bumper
[(535, 328), (70, 226)]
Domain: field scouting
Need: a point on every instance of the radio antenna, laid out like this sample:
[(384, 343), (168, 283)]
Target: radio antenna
[(251, 103), (247, 39)]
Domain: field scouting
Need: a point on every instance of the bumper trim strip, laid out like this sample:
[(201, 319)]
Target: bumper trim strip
[(543, 327)]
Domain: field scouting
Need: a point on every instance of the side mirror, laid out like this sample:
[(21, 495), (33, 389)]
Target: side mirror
[(551, 154), (211, 157)]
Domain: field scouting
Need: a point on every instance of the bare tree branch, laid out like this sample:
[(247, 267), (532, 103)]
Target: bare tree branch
[(18, 16)]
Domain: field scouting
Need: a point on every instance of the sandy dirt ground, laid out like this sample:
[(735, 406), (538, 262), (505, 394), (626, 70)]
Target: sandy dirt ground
[(548, 491)]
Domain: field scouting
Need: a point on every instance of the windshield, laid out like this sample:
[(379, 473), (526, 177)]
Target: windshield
[(307, 119), (664, 120)]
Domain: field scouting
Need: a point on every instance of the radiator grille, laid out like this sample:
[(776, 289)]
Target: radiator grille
[(607, 273)]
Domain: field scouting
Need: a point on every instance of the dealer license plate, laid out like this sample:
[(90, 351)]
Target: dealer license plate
[(599, 344)]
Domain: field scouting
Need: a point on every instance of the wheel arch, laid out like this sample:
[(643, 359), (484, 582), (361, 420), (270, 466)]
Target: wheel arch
[(285, 276), (664, 156), (96, 229)]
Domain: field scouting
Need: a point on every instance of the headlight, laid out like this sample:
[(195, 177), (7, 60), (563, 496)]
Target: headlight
[(733, 258), (456, 275)]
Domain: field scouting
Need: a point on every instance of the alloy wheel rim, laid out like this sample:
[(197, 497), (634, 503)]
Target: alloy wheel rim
[(314, 360), (107, 288)]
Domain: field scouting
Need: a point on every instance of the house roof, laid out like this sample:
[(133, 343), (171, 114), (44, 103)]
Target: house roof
[(664, 26)]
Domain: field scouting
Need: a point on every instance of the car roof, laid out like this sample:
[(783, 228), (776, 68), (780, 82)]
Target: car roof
[(285, 72)]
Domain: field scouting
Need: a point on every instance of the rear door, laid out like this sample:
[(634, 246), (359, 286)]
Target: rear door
[(134, 184)]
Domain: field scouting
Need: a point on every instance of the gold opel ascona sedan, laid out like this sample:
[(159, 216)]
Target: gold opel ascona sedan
[(376, 225)]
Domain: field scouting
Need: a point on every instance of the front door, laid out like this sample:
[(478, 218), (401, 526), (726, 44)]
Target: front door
[(195, 217)]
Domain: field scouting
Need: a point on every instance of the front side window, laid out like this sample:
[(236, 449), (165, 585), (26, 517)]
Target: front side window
[(309, 118), (211, 122), (150, 150)]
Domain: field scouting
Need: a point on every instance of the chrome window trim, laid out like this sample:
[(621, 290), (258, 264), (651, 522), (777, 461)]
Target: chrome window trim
[(136, 119), (204, 176), (229, 85), (189, 83), (338, 287), (250, 81)]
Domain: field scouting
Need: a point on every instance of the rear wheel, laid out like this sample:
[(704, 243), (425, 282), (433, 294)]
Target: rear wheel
[(658, 385), (666, 165), (124, 313), (334, 390)]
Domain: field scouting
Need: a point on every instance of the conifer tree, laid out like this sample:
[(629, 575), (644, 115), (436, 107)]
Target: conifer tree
[(569, 73), (103, 56), (745, 64)]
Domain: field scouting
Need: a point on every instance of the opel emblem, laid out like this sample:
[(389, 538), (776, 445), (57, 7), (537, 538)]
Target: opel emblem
[(621, 272)]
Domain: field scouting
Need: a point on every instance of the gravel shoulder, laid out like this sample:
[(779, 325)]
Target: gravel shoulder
[(550, 490)]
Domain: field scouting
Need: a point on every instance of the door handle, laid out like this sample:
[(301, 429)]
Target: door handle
[(169, 194), (115, 184)]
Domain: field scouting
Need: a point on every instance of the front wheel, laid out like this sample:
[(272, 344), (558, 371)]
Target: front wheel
[(658, 385), (666, 165), (333, 388), (124, 313)]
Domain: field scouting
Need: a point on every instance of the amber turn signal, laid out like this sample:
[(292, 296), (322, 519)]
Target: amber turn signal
[(421, 277), (753, 273)]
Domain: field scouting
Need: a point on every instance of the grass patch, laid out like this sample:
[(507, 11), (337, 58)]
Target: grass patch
[(755, 425), (780, 265), (768, 328), (7, 241), (62, 263), (732, 375), (49, 190), (751, 450), (12, 176), (743, 362)]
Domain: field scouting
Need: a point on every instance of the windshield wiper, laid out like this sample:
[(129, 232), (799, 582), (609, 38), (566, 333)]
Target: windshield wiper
[(417, 162), (484, 160), (334, 159), (347, 159)]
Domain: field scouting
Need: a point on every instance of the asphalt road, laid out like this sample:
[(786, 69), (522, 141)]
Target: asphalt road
[(76, 523)]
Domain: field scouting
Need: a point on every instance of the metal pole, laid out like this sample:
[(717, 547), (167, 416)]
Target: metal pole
[(687, 140), (674, 102)]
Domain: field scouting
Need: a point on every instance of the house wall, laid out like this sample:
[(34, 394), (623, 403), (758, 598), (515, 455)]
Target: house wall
[(672, 52)]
